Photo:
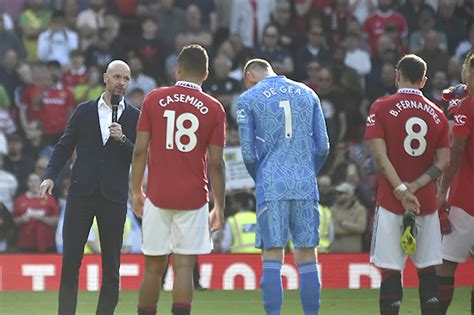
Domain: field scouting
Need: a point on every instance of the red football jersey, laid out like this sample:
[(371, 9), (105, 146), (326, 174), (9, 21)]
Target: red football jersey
[(375, 24), (57, 103), (462, 186), (413, 128), (183, 122), (35, 234)]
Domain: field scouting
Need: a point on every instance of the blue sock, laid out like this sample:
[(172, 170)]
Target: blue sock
[(272, 288), (310, 288)]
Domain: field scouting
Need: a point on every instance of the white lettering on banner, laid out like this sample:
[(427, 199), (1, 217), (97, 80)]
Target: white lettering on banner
[(206, 275), (92, 277), (239, 269), (291, 274), (356, 271), (38, 273), (129, 270)]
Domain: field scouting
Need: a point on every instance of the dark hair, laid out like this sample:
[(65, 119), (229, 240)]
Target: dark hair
[(412, 68), (194, 59), (257, 63)]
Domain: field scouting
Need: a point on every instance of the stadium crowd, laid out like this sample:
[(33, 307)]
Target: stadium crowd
[(53, 54)]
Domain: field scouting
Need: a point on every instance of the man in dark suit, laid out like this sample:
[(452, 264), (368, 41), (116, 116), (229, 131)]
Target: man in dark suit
[(99, 186)]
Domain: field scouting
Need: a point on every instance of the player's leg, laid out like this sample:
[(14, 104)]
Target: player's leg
[(272, 236), (446, 273), (428, 255), (189, 237), (156, 247), (304, 224), (386, 253)]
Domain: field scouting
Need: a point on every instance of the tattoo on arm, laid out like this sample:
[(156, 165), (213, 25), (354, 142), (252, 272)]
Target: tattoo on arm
[(457, 153)]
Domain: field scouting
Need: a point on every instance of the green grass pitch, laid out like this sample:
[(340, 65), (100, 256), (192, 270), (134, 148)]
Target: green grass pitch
[(334, 302)]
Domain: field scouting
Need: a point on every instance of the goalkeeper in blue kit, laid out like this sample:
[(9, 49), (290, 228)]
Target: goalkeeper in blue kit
[(284, 145)]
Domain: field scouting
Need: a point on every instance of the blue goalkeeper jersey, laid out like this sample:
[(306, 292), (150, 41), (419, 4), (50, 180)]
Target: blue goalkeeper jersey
[(283, 138)]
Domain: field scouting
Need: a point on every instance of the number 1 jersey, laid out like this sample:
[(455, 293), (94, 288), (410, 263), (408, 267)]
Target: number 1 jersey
[(182, 121), (413, 128)]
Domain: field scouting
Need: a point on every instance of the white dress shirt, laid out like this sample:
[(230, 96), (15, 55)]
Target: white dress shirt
[(105, 117)]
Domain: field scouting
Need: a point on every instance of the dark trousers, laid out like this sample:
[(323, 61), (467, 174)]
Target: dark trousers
[(78, 218)]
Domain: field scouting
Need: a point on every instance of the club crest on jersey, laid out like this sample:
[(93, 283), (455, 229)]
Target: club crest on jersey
[(459, 120), (371, 120)]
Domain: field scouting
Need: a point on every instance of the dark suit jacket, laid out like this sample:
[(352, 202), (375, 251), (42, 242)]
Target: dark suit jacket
[(97, 166)]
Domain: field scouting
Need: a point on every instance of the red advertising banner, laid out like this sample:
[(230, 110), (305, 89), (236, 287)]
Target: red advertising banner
[(218, 272)]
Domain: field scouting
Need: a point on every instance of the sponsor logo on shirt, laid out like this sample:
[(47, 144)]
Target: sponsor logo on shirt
[(459, 120)]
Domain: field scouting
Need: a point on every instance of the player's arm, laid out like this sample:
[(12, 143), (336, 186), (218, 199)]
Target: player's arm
[(379, 151), (140, 154), (457, 153), (320, 136), (246, 125), (217, 172), (433, 172)]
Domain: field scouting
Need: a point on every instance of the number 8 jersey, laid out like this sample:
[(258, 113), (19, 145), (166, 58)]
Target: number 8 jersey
[(413, 128), (182, 121)]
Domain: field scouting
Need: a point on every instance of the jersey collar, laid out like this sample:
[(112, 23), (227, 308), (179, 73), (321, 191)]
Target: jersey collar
[(189, 85), (410, 91)]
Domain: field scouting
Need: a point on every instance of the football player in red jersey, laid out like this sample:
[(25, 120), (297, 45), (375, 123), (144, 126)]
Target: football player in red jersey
[(459, 244), (409, 138), (178, 127)]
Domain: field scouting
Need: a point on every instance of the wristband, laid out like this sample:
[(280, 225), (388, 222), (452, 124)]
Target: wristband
[(402, 187)]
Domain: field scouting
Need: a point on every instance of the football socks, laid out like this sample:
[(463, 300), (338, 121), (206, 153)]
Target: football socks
[(272, 288), (310, 288)]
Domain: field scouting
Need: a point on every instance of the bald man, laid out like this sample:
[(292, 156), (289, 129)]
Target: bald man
[(99, 185)]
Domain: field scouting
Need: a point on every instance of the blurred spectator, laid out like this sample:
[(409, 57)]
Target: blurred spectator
[(171, 19), (436, 59), (103, 51), (412, 11), (8, 186), (465, 46), (33, 20), (439, 82), (112, 25), (4, 98), (71, 11), (91, 89), (454, 71), (6, 20), (362, 189), (377, 88), (9, 76), (375, 23), (393, 33), (17, 162), (30, 107), (341, 17), (337, 162), (194, 32), (465, 10), (248, 19), (150, 48), (136, 97), (239, 54), (304, 8), (14, 8), (312, 73), (34, 143), (426, 23), (333, 107), (357, 58), (138, 78), (147, 7), (291, 38), (7, 125), (9, 40), (270, 50), (386, 53), (207, 9), (40, 166), (240, 229), (57, 42), (449, 24), (362, 8), (90, 21), (36, 219), (350, 221), (7, 229), (315, 49), (220, 85), (223, 12), (77, 73), (326, 192), (326, 229)]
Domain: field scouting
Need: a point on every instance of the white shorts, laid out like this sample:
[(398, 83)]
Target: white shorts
[(459, 244), (386, 251), (184, 232)]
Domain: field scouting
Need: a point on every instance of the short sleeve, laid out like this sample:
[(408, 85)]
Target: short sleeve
[(144, 123), (373, 127), (218, 132), (444, 141), (463, 118)]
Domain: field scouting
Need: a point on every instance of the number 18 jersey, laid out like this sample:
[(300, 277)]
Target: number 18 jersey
[(182, 121), (413, 128)]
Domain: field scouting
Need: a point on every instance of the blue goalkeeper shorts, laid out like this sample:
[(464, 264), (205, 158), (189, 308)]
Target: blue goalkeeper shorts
[(278, 220)]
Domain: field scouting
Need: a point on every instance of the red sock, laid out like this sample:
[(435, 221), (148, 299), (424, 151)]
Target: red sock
[(146, 310), (181, 308), (446, 291)]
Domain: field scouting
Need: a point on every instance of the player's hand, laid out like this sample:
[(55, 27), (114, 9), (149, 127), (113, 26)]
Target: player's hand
[(440, 200), (46, 188), (138, 200), (115, 131), (410, 202), (216, 219), (412, 187)]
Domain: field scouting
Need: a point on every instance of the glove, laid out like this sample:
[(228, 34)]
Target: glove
[(408, 239), (444, 223)]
